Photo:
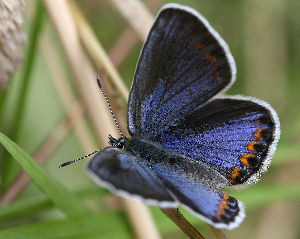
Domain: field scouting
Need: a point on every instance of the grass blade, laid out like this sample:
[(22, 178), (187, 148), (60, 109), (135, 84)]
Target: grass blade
[(264, 195), (89, 226), (59, 195), (29, 207), (8, 171)]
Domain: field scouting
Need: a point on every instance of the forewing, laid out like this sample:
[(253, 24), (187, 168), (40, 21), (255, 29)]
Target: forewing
[(121, 173), (184, 62), (236, 136)]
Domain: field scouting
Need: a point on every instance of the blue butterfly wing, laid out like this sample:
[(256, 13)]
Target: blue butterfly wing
[(130, 175), (235, 136), (192, 184), (214, 207), (120, 172), (189, 182), (184, 62)]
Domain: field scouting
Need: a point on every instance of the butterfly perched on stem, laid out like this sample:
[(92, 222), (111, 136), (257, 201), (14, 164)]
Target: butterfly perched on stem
[(188, 140)]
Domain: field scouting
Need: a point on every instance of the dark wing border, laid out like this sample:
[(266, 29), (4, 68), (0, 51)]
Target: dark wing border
[(210, 29), (215, 34)]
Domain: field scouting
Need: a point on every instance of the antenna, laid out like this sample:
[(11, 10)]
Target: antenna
[(112, 113), (73, 161), (114, 117)]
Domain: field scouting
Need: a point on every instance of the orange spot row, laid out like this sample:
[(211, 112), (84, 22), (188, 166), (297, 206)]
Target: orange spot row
[(210, 58), (200, 46), (225, 197), (251, 145), (245, 159), (225, 204), (234, 175), (219, 214), (257, 133), (221, 208), (236, 172)]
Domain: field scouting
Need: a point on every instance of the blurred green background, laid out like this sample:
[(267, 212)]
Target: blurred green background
[(264, 39)]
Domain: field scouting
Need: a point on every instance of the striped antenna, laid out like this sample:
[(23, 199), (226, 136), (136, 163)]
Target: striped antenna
[(112, 113), (114, 117), (73, 161)]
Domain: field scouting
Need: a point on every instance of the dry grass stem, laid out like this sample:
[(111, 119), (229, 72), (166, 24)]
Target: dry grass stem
[(153, 5), (217, 232), (123, 46), (96, 50), (71, 104), (136, 14), (149, 230), (84, 75), (128, 39), (182, 223), (82, 70), (45, 151)]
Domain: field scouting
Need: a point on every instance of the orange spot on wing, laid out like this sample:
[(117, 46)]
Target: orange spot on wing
[(225, 204), (236, 172), (245, 159), (225, 197), (257, 133), (200, 46), (251, 145), (219, 214), (221, 208), (210, 58)]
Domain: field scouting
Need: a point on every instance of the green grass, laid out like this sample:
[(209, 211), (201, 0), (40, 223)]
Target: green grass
[(65, 203), (58, 194)]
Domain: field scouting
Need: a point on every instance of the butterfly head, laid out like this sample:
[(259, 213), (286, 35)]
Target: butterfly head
[(119, 143)]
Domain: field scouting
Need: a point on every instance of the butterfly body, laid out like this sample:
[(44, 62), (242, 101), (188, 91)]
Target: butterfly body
[(188, 140), (155, 156)]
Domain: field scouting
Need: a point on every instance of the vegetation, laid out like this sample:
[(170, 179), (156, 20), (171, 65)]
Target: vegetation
[(51, 111)]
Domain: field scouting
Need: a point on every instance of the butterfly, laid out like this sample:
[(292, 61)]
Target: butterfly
[(188, 140)]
